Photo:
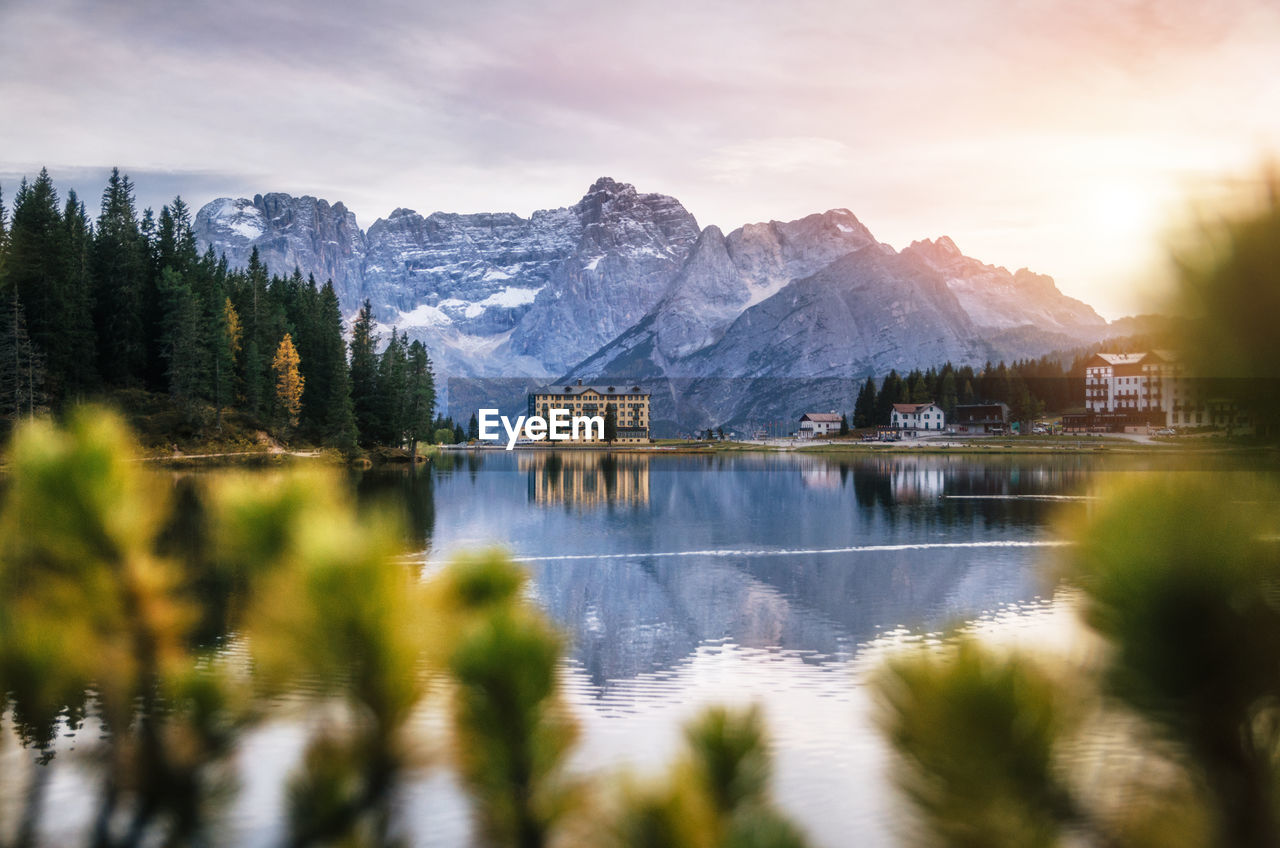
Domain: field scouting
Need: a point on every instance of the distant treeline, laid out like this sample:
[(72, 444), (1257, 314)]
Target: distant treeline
[(126, 302), (1030, 387)]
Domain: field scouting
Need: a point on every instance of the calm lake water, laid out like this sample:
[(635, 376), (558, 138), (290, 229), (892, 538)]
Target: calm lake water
[(683, 581)]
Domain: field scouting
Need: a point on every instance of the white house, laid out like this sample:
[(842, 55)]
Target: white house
[(917, 416), (814, 424)]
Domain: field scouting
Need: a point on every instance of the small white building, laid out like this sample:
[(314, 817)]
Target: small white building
[(917, 416), (814, 424)]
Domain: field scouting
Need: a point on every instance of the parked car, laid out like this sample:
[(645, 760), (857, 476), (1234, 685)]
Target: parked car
[(1166, 431)]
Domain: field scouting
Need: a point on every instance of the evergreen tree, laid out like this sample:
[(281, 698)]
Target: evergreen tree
[(892, 391), (330, 394), (264, 326), (611, 423), (844, 425), (77, 347), (864, 408), (919, 389), (420, 402), (364, 375), (393, 367), (948, 396), (120, 277), (458, 435), (46, 264), (182, 345), (473, 427), (22, 369)]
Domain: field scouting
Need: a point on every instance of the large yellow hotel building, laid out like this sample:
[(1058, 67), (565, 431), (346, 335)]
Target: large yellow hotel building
[(629, 402)]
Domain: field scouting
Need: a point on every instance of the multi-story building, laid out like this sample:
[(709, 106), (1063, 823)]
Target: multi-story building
[(917, 416), (630, 403), (1150, 389)]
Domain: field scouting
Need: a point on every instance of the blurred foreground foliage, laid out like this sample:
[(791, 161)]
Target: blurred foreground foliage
[(171, 636), (1166, 733), (1229, 286)]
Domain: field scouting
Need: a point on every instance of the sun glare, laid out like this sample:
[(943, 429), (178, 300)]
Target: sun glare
[(1125, 210)]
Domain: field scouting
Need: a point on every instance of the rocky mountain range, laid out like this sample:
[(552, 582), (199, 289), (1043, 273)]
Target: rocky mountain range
[(758, 324)]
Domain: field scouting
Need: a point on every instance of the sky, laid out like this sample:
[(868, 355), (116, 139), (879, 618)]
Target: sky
[(1075, 138)]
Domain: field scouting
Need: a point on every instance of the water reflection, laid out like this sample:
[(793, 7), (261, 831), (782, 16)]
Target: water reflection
[(586, 479), (410, 492), (684, 580), (789, 552)]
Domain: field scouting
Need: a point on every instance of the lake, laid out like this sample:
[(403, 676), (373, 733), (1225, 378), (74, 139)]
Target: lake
[(686, 580)]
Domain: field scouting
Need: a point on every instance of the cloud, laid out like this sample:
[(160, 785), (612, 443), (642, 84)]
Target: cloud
[(745, 160), (989, 120)]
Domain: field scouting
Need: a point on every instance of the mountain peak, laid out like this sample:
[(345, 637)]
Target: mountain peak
[(609, 185), (942, 248)]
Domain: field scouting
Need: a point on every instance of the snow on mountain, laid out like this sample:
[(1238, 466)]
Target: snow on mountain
[(624, 284)]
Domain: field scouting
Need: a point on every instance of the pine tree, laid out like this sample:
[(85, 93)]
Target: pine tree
[(864, 408), (22, 368), (892, 391), (948, 396), (289, 382), (844, 425), (393, 392), (611, 423), (263, 320), (120, 278), (181, 342), (36, 266), (473, 427), (420, 401), (330, 393), (919, 388), (77, 349), (364, 375)]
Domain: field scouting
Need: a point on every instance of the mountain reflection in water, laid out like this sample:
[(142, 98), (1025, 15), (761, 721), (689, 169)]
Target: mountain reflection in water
[(685, 580)]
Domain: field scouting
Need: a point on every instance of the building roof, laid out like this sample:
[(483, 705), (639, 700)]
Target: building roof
[(1122, 358), (577, 389), (911, 408), (822, 417)]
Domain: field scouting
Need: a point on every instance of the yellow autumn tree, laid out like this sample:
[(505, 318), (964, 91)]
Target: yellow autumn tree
[(231, 320), (289, 382)]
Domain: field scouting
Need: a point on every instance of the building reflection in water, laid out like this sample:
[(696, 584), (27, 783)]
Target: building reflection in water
[(586, 479)]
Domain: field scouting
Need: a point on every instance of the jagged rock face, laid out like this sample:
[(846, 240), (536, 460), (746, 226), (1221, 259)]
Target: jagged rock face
[(491, 294), (289, 232), (865, 313), (477, 273), (725, 275), (996, 299), (730, 328), (631, 248)]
